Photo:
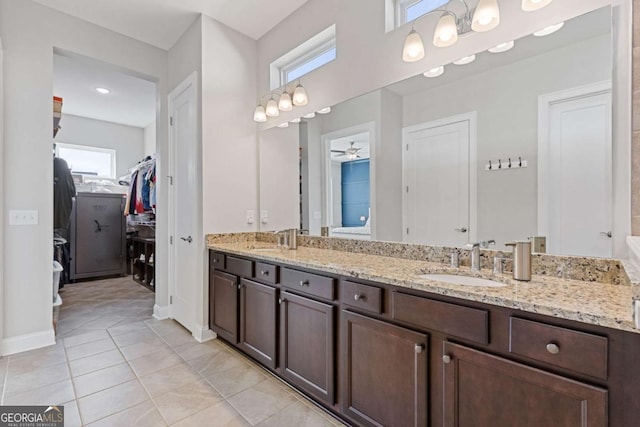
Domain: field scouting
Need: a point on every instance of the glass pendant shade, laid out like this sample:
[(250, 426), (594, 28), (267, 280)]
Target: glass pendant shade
[(300, 96), (413, 47), (446, 32), (531, 5), (325, 110), (259, 115), (309, 116), (284, 125), (272, 108), (434, 72), (284, 104), (486, 16), (502, 47), (549, 30)]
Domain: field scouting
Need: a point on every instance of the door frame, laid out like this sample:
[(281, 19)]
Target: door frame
[(200, 326), (325, 143), (545, 102), (472, 118)]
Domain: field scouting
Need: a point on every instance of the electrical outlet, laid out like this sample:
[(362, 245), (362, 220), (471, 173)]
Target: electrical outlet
[(264, 216), (27, 217), (250, 217)]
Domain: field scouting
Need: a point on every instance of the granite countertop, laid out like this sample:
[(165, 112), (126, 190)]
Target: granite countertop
[(589, 302)]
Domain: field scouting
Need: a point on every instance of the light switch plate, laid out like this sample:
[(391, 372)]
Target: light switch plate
[(264, 216), (250, 217), (637, 313), (23, 217)]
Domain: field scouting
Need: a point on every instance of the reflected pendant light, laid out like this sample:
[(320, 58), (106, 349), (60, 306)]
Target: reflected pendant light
[(486, 17), (434, 72), (549, 30), (272, 108), (413, 47), (465, 60), (259, 115), (300, 96), (446, 32), (284, 103), (502, 47), (284, 125), (325, 110), (531, 5)]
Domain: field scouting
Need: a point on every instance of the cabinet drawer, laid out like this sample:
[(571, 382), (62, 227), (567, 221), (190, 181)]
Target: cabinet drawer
[(239, 267), (308, 283), (216, 260), (576, 351), (364, 297), (463, 322), (266, 272)]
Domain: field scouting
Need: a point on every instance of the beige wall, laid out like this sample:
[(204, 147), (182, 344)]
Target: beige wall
[(635, 147)]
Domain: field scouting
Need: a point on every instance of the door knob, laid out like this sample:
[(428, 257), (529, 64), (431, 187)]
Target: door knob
[(606, 233), (460, 229), (187, 239)]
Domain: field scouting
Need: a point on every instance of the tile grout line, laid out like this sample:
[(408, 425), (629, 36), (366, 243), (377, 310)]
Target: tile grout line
[(73, 385)]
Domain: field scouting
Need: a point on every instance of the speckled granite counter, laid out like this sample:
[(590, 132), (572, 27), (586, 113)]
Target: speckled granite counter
[(601, 304)]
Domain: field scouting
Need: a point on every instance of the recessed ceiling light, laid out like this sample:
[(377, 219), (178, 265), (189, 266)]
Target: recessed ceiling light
[(465, 60), (103, 90), (309, 116), (502, 47), (325, 110), (297, 120), (548, 30), (434, 72), (284, 125)]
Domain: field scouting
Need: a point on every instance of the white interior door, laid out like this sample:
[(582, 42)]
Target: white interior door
[(437, 183), (578, 164), (183, 197)]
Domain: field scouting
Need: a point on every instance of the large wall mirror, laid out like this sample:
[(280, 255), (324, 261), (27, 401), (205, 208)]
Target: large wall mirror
[(514, 143)]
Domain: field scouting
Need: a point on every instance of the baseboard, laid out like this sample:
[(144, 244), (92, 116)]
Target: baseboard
[(203, 334), (27, 342), (160, 313)]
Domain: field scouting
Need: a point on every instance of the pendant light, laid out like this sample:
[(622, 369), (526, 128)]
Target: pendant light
[(309, 116), (549, 30), (486, 16), (296, 120), (325, 110), (464, 60), (284, 103), (284, 125), (300, 96), (259, 115), (434, 72), (272, 108), (446, 32), (502, 47), (413, 47), (531, 5)]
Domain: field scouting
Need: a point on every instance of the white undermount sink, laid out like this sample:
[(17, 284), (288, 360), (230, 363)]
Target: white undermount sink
[(462, 280)]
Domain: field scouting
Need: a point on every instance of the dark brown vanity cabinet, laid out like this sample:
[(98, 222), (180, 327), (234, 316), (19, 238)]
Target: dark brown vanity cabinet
[(307, 345), (258, 305), (223, 305), (485, 390), (384, 373)]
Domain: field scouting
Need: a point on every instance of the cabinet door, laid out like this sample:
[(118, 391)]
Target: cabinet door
[(258, 321), (384, 373), (484, 390), (223, 294), (307, 345)]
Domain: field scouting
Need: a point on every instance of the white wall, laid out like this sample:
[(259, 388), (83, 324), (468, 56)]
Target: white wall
[(1, 195), (150, 139), (29, 34), (506, 101), (127, 141)]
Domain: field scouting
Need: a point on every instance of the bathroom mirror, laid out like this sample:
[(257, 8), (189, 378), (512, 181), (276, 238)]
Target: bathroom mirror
[(516, 143)]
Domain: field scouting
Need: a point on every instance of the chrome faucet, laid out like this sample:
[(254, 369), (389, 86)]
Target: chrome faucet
[(475, 256), (287, 238), (485, 243)]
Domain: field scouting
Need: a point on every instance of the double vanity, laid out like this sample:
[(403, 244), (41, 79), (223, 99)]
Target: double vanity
[(385, 334)]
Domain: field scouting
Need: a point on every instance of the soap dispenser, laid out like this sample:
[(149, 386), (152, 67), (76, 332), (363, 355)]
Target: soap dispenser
[(521, 260)]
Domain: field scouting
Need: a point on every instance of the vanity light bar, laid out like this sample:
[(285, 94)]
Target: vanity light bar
[(502, 165)]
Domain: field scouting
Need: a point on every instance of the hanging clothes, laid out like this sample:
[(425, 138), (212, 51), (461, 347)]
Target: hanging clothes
[(141, 196)]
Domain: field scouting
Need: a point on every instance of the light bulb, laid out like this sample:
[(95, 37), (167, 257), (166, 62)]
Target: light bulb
[(325, 110), (309, 116), (284, 104), (531, 5), (284, 125), (434, 72), (502, 47), (413, 47), (300, 96), (549, 30), (259, 115), (272, 108), (486, 16), (463, 61), (446, 32)]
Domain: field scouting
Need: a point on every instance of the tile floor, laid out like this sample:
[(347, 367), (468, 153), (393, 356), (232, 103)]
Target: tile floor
[(114, 365)]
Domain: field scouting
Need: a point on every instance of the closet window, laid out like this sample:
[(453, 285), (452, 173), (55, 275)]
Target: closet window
[(88, 161)]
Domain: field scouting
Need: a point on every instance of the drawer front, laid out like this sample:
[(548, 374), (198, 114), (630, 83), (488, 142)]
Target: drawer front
[(463, 322), (216, 260), (308, 283), (363, 297), (576, 351), (266, 272), (239, 267)]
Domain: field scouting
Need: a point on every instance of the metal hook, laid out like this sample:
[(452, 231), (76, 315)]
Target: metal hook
[(490, 166), (499, 164), (520, 159), (509, 161)]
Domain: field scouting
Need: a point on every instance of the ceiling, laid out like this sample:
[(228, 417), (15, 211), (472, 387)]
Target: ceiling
[(132, 101), (162, 22), (361, 140)]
